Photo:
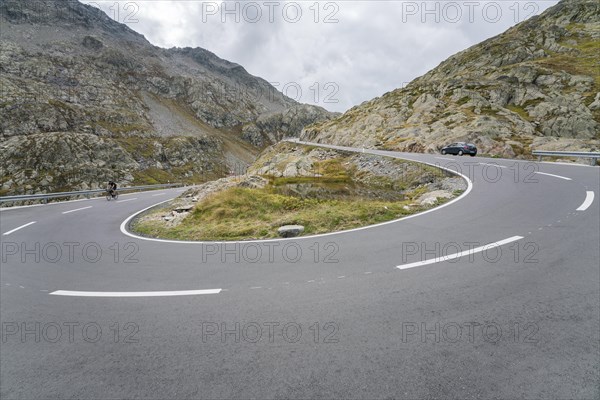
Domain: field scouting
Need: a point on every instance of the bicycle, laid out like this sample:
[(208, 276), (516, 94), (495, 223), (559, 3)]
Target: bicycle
[(112, 195)]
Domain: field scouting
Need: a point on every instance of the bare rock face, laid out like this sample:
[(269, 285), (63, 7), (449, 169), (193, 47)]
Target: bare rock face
[(431, 198), (272, 127), (61, 161), (90, 42), (175, 114), (534, 86), (204, 190), (287, 160)]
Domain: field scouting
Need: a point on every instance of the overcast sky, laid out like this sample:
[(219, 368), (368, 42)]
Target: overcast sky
[(335, 54)]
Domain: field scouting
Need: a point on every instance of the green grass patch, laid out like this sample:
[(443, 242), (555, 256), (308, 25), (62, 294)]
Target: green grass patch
[(332, 169), (489, 111), (137, 146), (242, 213), (307, 179), (152, 176), (121, 129), (463, 100), (59, 104), (584, 61), (531, 103), (393, 144), (520, 111)]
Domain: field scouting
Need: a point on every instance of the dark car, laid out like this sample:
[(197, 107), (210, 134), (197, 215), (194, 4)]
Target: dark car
[(460, 148)]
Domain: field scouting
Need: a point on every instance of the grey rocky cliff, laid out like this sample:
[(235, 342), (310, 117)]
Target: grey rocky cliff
[(64, 161), (66, 67)]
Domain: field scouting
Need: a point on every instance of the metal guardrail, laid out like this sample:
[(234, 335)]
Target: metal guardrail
[(593, 156), (87, 193)]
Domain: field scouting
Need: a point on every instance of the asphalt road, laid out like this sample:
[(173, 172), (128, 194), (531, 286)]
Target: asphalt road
[(349, 315)]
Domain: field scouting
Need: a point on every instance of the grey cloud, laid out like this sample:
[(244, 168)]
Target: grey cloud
[(375, 47)]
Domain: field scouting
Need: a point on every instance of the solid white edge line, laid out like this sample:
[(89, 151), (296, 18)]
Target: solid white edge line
[(135, 294), (464, 194), (555, 176), (77, 209), (462, 253), (20, 227), (589, 199)]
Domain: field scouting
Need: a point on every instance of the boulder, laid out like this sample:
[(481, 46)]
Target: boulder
[(184, 208), (287, 231), (253, 182), (430, 198)]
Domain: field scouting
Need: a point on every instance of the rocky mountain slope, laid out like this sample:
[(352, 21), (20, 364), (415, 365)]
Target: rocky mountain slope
[(535, 86), (85, 99)]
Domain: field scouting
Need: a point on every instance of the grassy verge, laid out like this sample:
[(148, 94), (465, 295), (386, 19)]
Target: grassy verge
[(242, 213), (338, 193)]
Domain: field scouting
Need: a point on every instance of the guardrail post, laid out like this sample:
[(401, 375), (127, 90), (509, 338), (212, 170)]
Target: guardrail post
[(45, 200), (539, 158)]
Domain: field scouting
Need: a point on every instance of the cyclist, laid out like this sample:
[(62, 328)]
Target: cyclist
[(111, 188)]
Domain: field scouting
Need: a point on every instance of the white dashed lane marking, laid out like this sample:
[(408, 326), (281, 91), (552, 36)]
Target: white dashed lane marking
[(135, 294), (77, 209), (20, 227), (555, 176), (492, 165), (462, 253)]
